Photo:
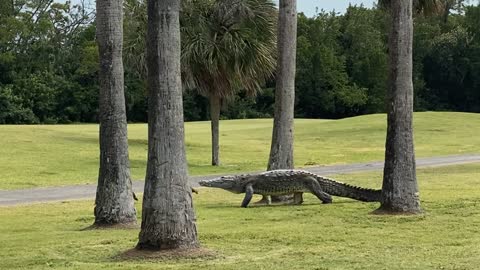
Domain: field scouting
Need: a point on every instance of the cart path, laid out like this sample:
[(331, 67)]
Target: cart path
[(35, 195)]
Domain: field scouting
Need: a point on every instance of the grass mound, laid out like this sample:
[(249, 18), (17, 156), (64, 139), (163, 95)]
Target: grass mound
[(46, 155)]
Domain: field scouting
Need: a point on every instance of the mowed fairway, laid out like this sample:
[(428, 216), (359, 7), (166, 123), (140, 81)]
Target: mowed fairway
[(342, 235), (54, 155)]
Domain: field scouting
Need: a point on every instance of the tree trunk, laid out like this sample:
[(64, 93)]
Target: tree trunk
[(215, 105), (114, 199), (281, 152), (168, 218), (446, 12), (400, 190)]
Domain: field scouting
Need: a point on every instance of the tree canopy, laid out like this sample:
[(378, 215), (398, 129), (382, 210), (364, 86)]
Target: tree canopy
[(49, 71)]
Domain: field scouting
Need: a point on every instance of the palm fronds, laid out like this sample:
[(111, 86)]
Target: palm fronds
[(228, 45)]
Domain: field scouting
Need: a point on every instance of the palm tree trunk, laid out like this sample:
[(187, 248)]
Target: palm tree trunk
[(114, 199), (281, 152), (168, 219), (400, 190), (215, 106)]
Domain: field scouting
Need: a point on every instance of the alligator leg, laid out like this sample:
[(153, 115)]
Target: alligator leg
[(298, 198), (316, 189), (269, 200), (248, 195), (265, 200)]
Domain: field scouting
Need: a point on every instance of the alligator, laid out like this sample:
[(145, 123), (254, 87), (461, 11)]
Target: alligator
[(284, 182)]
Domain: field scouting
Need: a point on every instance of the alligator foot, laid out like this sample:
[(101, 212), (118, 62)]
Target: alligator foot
[(298, 198), (266, 200)]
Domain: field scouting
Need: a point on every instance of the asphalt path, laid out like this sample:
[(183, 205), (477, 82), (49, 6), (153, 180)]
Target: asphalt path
[(77, 192)]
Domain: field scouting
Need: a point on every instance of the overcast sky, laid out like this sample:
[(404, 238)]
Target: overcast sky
[(306, 6), (309, 6)]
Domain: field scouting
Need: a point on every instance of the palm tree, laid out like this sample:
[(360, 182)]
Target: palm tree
[(168, 217), (400, 189), (281, 152), (227, 45), (114, 198)]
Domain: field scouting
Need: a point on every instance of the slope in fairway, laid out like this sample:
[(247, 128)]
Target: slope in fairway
[(53, 155)]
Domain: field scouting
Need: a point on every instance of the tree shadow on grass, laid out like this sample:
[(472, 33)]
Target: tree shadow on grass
[(127, 226), (135, 254)]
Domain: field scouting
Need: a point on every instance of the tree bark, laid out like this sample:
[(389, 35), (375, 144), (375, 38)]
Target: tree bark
[(168, 219), (281, 152), (400, 190), (215, 106), (114, 199)]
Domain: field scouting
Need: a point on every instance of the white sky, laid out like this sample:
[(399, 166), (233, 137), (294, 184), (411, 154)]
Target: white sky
[(306, 6), (309, 6)]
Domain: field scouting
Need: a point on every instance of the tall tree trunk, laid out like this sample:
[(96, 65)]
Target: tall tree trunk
[(215, 106), (446, 11), (168, 218), (281, 152), (400, 190), (114, 199)]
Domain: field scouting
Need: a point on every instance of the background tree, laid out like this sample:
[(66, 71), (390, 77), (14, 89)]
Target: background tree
[(168, 217), (47, 58), (323, 85), (49, 64), (362, 38), (425, 7), (228, 45), (114, 199)]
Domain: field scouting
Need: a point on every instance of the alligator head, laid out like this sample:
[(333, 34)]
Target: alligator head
[(232, 183)]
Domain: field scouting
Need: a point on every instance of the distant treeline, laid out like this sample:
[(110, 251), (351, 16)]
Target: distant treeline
[(49, 67)]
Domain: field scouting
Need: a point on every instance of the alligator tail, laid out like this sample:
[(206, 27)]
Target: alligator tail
[(340, 189)]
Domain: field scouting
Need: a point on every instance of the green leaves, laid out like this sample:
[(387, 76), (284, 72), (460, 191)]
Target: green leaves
[(324, 88), (228, 45)]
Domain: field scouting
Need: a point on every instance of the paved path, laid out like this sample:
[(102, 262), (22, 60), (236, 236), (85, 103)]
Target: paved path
[(25, 196)]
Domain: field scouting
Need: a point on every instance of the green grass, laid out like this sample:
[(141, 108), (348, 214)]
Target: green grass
[(342, 235), (46, 155)]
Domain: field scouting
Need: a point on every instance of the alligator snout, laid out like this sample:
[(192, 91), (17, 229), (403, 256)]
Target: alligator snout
[(203, 183)]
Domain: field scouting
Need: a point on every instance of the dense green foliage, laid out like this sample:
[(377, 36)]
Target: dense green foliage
[(48, 65)]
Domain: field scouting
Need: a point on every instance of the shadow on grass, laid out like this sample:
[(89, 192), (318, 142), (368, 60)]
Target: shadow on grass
[(135, 254), (273, 205), (126, 226)]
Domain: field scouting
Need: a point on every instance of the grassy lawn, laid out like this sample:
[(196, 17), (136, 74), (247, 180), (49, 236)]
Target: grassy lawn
[(313, 236), (45, 155)]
